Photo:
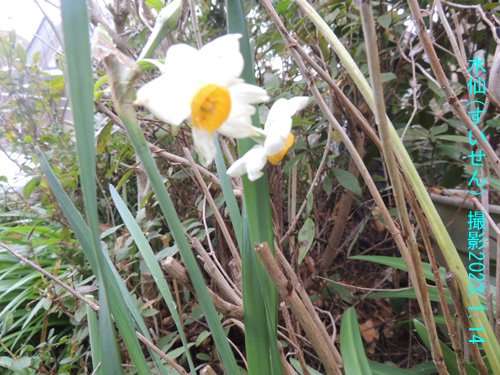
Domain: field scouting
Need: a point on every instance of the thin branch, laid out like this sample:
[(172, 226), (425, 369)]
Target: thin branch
[(58, 281)]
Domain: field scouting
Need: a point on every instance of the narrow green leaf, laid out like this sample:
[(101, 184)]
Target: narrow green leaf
[(95, 348), (153, 267), (400, 264), (123, 308), (410, 293), (75, 22), (30, 186), (262, 350), (351, 346), (296, 364), (227, 190), (383, 369), (385, 20)]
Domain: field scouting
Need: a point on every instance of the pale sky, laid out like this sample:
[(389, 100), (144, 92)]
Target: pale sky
[(24, 15)]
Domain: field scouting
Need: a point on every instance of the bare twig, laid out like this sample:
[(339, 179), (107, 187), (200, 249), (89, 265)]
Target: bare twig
[(211, 202), (412, 258), (291, 332), (231, 292), (94, 306), (448, 91), (162, 355), (58, 281), (324, 348), (177, 270), (192, 9)]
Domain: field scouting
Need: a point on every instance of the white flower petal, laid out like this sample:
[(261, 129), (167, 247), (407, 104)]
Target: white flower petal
[(251, 163), (238, 127), (165, 101), (244, 92), (279, 123), (284, 108), (275, 141), (169, 96), (222, 60), (182, 58), (204, 143)]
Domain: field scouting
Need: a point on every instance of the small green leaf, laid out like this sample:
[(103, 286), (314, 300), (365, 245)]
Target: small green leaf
[(283, 6), (439, 129), (310, 203), (21, 363), (386, 77), (6, 362), (28, 139), (347, 180), (306, 237), (340, 290), (328, 185), (292, 163), (57, 83), (104, 138), (202, 337), (453, 138), (31, 186), (157, 4), (385, 20)]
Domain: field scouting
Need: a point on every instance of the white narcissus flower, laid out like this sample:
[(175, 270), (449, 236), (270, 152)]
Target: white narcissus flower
[(278, 139), (204, 85)]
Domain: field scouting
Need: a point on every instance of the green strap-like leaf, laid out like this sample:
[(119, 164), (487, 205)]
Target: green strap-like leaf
[(122, 306), (351, 346), (153, 266), (134, 132), (77, 51)]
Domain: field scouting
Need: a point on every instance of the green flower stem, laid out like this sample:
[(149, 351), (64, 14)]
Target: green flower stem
[(122, 93), (448, 249), (260, 296), (166, 22), (139, 142)]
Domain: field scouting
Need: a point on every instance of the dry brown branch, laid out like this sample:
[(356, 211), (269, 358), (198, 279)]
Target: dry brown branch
[(324, 348), (412, 259), (177, 271), (446, 88)]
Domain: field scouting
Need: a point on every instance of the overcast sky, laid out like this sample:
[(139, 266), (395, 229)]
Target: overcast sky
[(24, 15)]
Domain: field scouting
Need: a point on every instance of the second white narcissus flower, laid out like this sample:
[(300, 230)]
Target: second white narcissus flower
[(279, 139), (204, 85)]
